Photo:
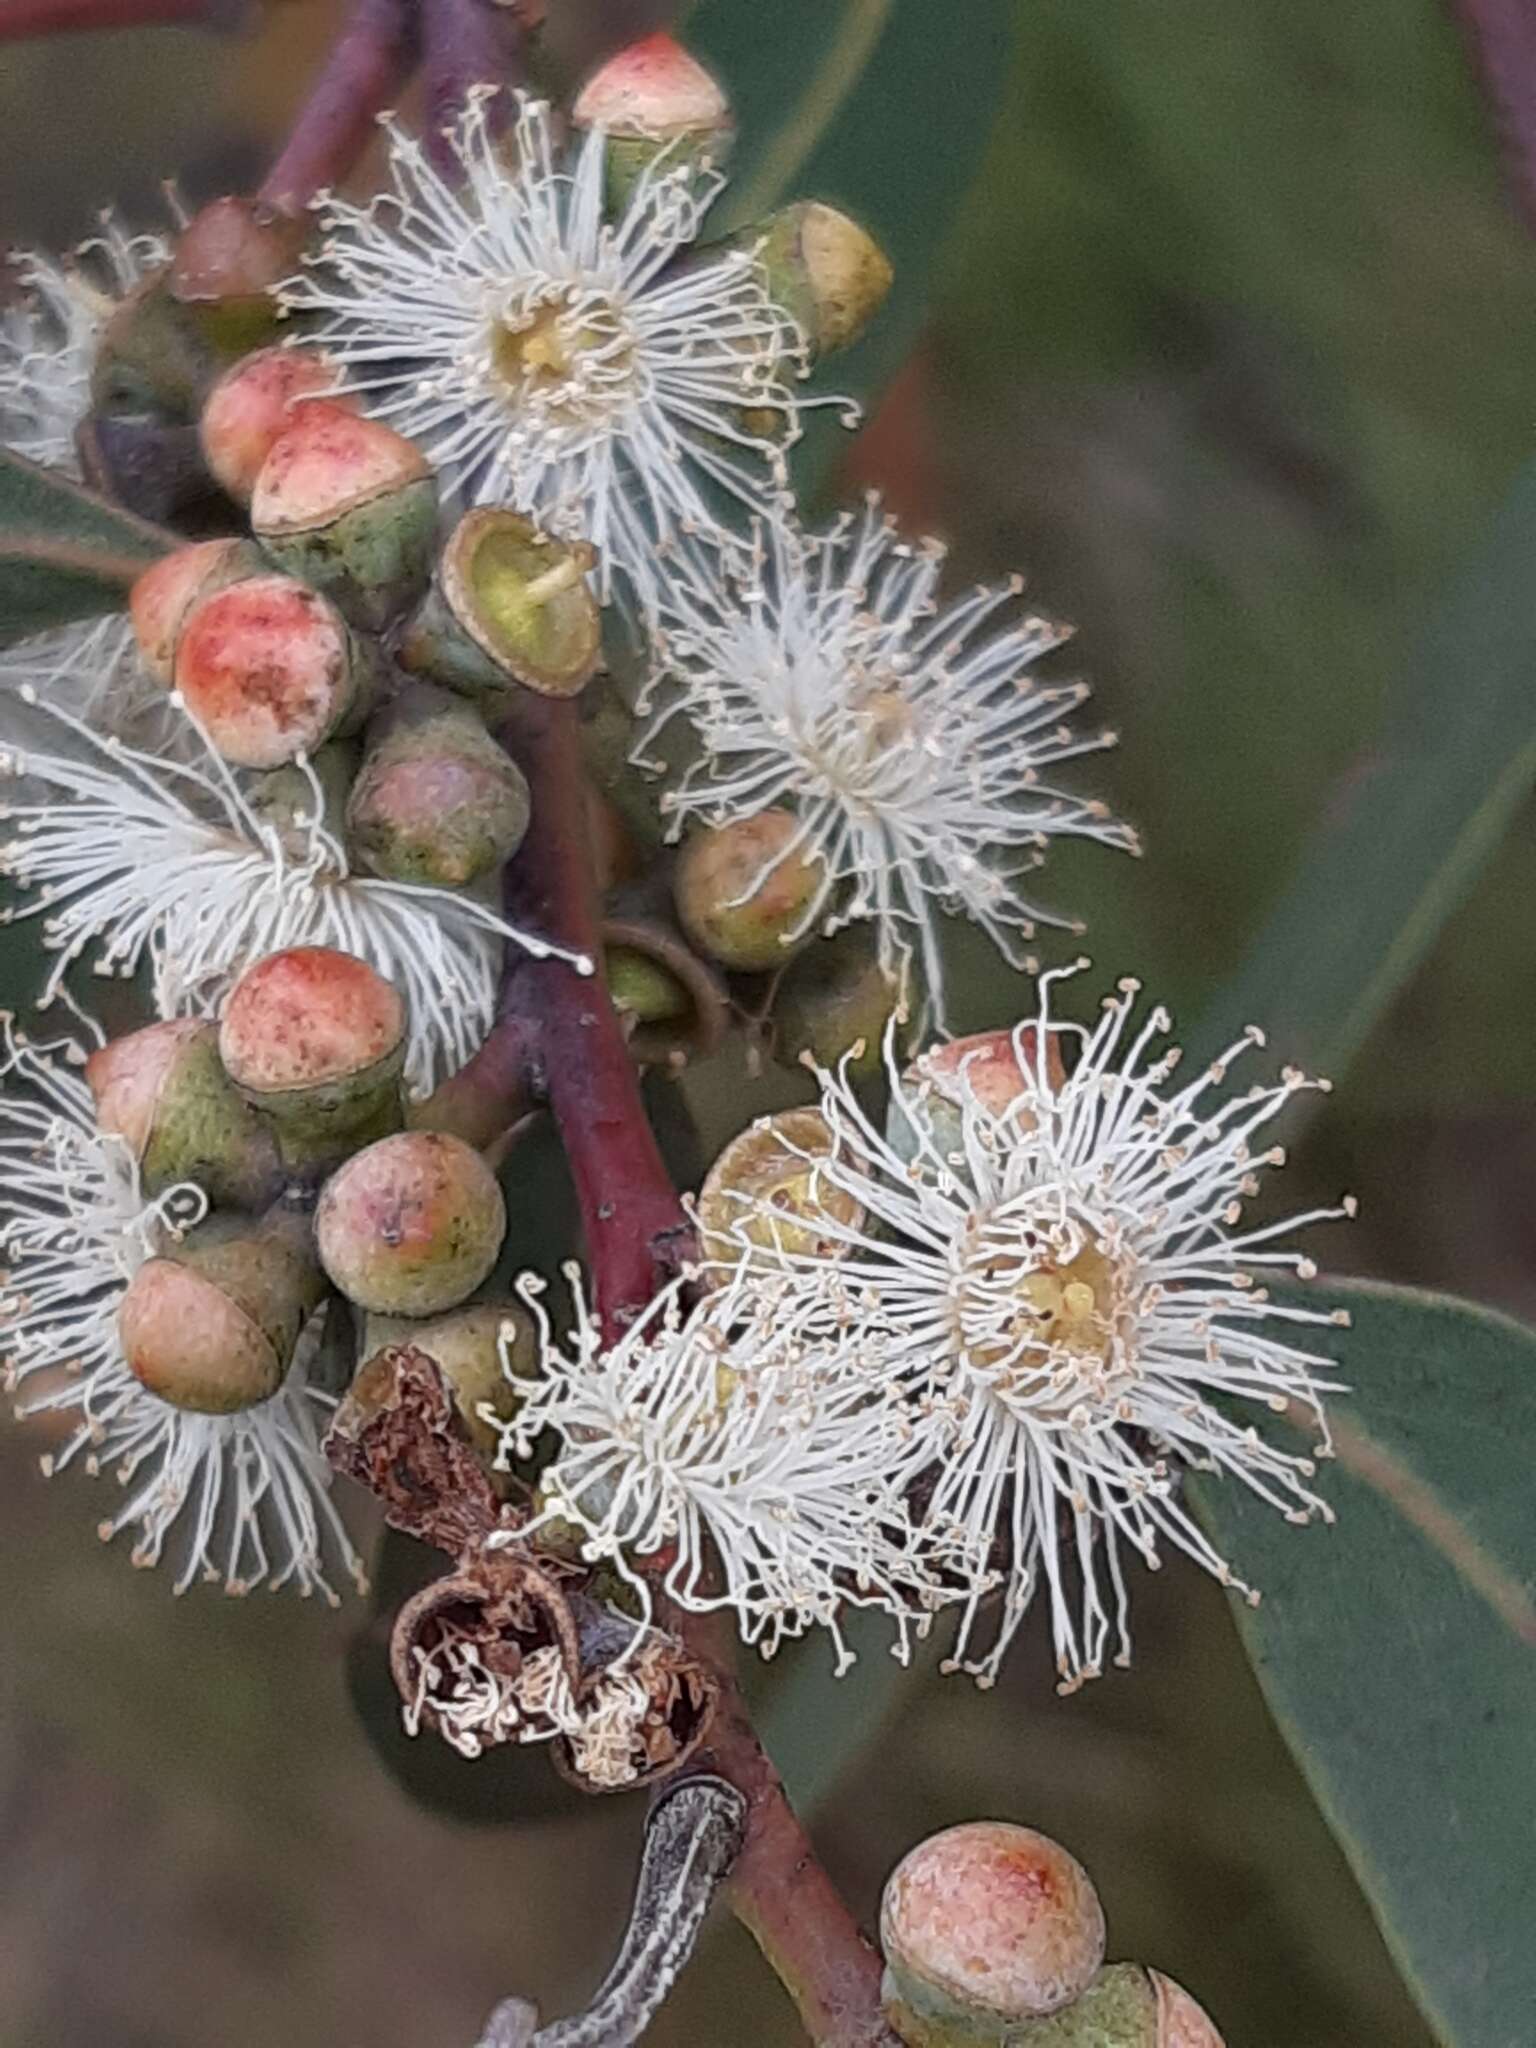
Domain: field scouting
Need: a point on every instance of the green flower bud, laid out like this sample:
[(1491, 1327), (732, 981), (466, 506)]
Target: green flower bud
[(821, 268), (745, 893), (161, 598), (775, 1167), (270, 670), (1124, 2007), (652, 98), (225, 264), (153, 356), (436, 800), (350, 506), (508, 606), (984, 1067), (984, 1926), (465, 1346), (834, 1002), (412, 1225), (673, 1005), (165, 1092), (284, 798), (252, 406), (211, 1324), (316, 1040)]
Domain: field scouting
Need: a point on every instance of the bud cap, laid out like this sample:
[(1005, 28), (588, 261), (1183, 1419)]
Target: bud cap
[(652, 88), (411, 1225)]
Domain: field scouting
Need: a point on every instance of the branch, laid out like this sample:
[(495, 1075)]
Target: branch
[(469, 43), (370, 61), (1501, 37), (22, 18)]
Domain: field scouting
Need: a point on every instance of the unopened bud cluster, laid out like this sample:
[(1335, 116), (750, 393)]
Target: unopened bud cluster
[(994, 1937)]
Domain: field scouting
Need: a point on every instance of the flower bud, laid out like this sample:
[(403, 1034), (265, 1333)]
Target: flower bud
[(316, 1040), (152, 356), (834, 1003), (652, 98), (1125, 2006), (284, 798), (164, 1091), (225, 264), (269, 670), (252, 405), (436, 800), (350, 506), (211, 1324), (990, 1067), (744, 892), (771, 1174), (466, 1347), (161, 598), (410, 1226), (985, 1925), (826, 272), (508, 605), (642, 990)]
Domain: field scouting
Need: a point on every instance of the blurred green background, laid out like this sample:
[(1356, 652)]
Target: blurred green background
[(1234, 355)]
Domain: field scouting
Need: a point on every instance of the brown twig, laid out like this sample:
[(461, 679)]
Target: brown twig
[(368, 64), (22, 18), (468, 43), (1501, 36)]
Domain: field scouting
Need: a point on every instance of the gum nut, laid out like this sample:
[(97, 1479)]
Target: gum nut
[(266, 668), (410, 1226), (308, 1017), (251, 406)]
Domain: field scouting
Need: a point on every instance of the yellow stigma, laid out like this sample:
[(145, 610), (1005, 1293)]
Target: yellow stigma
[(1014, 1306), (547, 355)]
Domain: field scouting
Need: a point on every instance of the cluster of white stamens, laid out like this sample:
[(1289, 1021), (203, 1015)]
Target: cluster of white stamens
[(821, 674), (244, 1498), (550, 358)]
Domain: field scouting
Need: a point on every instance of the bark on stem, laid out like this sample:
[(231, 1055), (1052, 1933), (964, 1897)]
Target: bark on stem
[(368, 64), (1501, 37), (22, 18), (469, 43)]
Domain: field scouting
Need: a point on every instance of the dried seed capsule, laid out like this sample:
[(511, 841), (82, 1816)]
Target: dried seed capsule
[(745, 893), (436, 800), (211, 1324), (350, 506), (252, 406), (270, 671), (652, 98), (410, 1226), (508, 605), (466, 1347), (984, 1925), (164, 1091), (316, 1040), (161, 598), (768, 1184), (834, 1003)]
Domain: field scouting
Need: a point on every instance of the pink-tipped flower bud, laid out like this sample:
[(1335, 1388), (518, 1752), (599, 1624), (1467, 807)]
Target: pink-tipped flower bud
[(350, 506), (211, 1324), (466, 1346), (985, 1925), (316, 1040), (991, 1068), (745, 892), (224, 267), (270, 671), (1125, 2006), (437, 800), (164, 1092), (162, 597), (834, 1004), (412, 1225), (652, 98), (509, 605), (252, 405)]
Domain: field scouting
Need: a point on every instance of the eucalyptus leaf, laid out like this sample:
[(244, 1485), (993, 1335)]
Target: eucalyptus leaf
[(880, 107), (65, 553), (1398, 1649), (1402, 843)]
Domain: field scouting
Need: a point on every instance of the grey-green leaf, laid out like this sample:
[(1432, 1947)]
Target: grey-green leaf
[(880, 107), (1402, 844), (1398, 1649), (65, 553)]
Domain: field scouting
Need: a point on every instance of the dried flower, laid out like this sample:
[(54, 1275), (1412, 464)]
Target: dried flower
[(171, 862), (821, 675), (243, 1497), (547, 358), (710, 1432), (1069, 1290)]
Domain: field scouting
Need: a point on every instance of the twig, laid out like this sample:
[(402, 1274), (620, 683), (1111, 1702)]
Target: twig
[(368, 64), (468, 43), (1501, 35), (22, 18)]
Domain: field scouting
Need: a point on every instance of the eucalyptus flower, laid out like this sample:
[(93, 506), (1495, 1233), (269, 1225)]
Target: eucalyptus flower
[(823, 677), (239, 1499)]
